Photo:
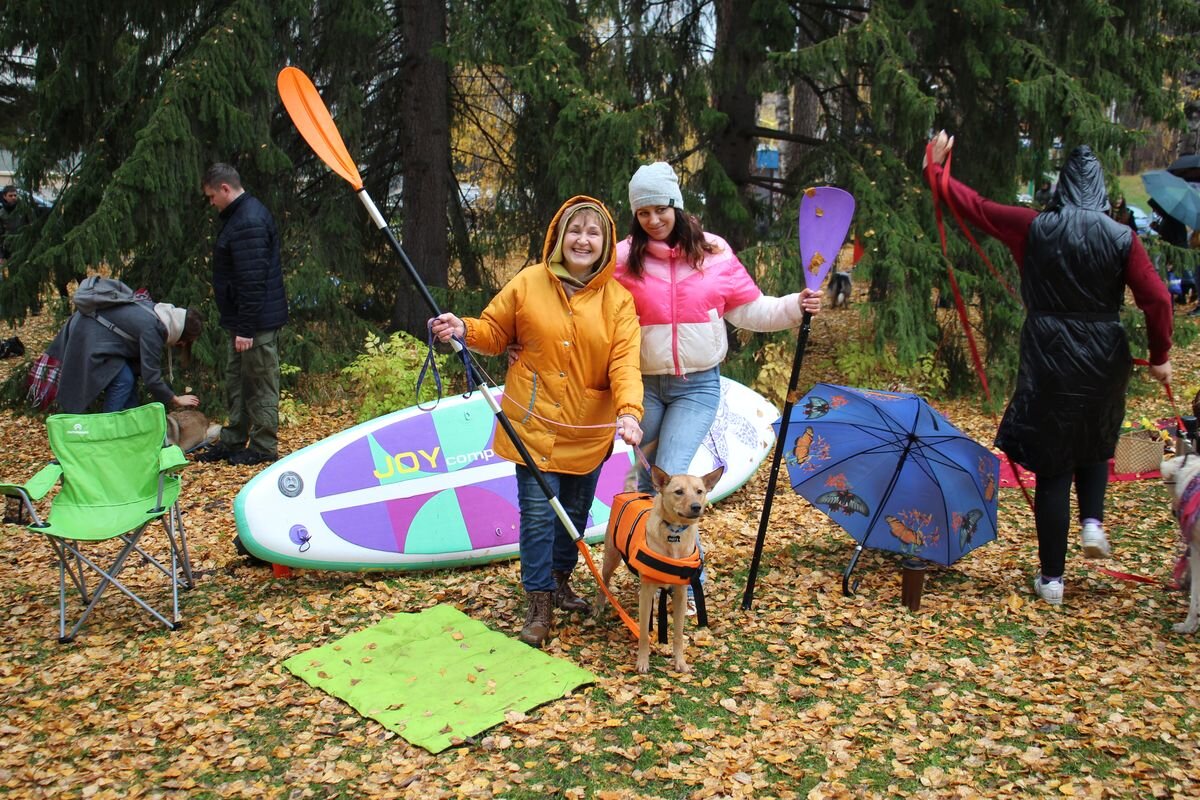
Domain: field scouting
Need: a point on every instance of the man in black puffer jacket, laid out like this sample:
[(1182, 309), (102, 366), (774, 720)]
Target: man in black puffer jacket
[(248, 286), (1065, 414)]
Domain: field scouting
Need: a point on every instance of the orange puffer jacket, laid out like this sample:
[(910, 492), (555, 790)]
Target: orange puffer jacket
[(578, 366)]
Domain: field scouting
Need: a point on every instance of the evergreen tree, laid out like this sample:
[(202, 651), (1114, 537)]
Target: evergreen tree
[(17, 71), (1018, 78), (577, 100), (133, 100)]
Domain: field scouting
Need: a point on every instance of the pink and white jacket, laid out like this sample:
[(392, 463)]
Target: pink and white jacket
[(682, 310)]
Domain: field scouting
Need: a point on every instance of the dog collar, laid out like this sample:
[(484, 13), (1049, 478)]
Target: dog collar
[(676, 532)]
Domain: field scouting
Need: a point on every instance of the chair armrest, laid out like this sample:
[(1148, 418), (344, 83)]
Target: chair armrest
[(171, 459), (36, 487)]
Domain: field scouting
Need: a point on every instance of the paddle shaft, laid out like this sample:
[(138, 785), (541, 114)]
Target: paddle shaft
[(780, 444), (476, 383)]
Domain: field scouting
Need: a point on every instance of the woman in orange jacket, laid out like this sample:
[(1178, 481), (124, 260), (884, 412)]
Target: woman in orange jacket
[(574, 377)]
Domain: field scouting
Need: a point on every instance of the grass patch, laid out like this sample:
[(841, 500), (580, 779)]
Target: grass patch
[(1134, 191)]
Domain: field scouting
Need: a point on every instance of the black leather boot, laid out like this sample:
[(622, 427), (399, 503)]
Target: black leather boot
[(565, 597)]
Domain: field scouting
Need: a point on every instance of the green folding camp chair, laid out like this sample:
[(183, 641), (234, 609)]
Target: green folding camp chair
[(118, 476)]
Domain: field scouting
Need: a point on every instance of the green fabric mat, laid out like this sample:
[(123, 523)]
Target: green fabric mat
[(436, 677)]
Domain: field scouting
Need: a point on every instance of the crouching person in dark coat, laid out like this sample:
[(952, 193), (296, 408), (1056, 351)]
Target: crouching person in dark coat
[(1065, 415), (106, 357), (248, 287)]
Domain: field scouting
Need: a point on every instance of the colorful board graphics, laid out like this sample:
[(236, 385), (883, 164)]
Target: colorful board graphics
[(419, 489)]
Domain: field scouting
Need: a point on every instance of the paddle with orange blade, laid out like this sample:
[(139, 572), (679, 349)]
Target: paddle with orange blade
[(310, 116), (312, 119)]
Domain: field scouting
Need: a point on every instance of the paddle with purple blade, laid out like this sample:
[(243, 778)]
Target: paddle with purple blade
[(824, 221), (825, 214)]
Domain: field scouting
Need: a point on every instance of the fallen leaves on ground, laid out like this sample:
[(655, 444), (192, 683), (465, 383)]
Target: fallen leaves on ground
[(983, 692)]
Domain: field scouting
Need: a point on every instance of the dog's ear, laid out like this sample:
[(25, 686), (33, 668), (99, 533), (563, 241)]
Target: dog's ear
[(658, 478), (711, 479)]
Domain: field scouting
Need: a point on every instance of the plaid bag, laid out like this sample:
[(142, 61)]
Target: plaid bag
[(43, 381)]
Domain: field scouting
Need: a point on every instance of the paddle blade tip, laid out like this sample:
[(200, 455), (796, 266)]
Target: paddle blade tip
[(312, 119)]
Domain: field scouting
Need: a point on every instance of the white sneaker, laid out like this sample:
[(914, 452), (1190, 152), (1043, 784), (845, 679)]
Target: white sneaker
[(691, 606), (1095, 543), (1051, 591)]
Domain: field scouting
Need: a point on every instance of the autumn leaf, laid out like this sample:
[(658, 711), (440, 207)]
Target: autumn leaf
[(986, 692)]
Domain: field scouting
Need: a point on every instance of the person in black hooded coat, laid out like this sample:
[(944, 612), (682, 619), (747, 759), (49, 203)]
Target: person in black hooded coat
[(1065, 414)]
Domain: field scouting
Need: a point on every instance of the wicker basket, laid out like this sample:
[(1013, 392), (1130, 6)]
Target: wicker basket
[(1138, 451)]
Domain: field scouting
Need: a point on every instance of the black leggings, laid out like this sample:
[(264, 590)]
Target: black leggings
[(1052, 510)]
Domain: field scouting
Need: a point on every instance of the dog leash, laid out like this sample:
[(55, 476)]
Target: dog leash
[(941, 194), (621, 612), (1142, 362), (581, 544), (641, 457), (1173, 585)]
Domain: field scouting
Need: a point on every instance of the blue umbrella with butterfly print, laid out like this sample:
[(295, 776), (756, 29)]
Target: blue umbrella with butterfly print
[(893, 472)]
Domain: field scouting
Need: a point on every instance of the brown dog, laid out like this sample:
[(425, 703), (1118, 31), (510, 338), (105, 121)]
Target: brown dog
[(189, 429), (669, 540)]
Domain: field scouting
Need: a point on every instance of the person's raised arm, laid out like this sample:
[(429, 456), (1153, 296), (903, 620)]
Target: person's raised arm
[(1007, 223)]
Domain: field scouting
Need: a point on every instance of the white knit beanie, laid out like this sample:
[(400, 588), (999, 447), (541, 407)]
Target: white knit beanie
[(654, 185)]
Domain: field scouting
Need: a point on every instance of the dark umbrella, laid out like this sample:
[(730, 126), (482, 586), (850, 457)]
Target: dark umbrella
[(1177, 197), (894, 473), (1186, 167)]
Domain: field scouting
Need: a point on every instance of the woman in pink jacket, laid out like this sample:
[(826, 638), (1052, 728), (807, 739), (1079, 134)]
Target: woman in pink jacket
[(686, 283)]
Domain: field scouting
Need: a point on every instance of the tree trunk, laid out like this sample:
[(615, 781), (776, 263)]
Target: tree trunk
[(737, 54), (805, 117), (425, 122)]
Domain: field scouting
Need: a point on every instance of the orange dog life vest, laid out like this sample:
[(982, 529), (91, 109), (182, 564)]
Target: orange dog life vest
[(627, 527)]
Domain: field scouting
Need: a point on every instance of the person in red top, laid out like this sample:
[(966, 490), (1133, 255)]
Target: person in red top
[(1065, 414)]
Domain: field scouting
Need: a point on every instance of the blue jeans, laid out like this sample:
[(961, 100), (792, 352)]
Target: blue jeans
[(118, 395), (545, 543), (679, 413)]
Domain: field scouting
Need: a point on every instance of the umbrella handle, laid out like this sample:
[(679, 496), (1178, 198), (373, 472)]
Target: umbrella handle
[(847, 588)]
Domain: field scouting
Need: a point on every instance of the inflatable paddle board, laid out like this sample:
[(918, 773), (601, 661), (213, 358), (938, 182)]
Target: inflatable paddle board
[(419, 489)]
